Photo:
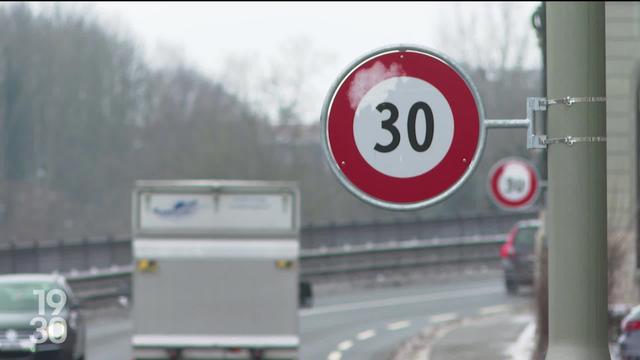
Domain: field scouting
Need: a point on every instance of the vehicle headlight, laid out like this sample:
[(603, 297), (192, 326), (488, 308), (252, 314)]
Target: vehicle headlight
[(57, 329)]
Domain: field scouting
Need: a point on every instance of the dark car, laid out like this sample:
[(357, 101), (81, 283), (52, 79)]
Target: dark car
[(629, 340), (518, 255), (39, 319)]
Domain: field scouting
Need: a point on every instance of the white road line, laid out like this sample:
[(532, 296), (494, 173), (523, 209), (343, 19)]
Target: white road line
[(440, 318), (368, 334), (345, 345), (398, 325), (523, 347), (401, 300), (493, 309), (336, 355)]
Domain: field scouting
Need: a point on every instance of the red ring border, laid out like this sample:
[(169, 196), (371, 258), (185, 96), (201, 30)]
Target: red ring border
[(467, 138), (500, 200)]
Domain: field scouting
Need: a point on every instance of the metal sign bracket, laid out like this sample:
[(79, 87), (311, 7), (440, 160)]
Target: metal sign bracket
[(540, 141)]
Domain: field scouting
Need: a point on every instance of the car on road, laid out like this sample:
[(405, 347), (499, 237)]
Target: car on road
[(39, 319), (518, 255), (629, 340)]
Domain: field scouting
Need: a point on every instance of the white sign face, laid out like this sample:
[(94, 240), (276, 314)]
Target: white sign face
[(394, 127), (201, 212), (513, 184)]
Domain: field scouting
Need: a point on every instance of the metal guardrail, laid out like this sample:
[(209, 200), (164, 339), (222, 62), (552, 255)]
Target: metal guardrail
[(394, 246), (97, 285), (64, 256), (405, 229), (103, 252), (400, 255)]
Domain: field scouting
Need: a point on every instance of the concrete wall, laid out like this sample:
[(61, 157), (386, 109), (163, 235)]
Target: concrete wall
[(623, 81)]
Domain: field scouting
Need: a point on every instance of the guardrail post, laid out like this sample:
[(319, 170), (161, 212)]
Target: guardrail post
[(36, 252), (12, 250), (306, 236), (463, 227), (419, 228), (111, 246), (62, 260), (85, 252), (355, 233), (376, 231)]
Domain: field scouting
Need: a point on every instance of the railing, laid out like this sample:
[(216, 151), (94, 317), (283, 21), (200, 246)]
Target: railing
[(324, 264), (400, 255), (100, 285), (100, 253), (361, 232), (65, 256)]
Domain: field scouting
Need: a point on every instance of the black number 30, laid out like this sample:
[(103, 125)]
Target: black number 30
[(411, 127)]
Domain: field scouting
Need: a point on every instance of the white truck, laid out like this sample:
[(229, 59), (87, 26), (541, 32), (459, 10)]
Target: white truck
[(216, 270)]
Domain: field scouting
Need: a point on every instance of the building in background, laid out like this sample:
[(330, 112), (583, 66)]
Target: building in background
[(623, 85)]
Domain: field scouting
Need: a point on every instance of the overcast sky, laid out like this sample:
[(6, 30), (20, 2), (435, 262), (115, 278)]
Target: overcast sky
[(206, 35)]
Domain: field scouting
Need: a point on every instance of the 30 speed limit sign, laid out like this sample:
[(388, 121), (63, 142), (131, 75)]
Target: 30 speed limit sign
[(513, 184), (403, 127)]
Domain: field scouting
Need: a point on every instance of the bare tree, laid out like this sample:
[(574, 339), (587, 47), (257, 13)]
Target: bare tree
[(488, 38), (283, 85)]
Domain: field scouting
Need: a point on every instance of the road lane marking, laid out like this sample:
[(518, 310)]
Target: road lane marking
[(440, 318), (523, 348), (398, 325), (366, 335), (401, 300), (489, 310), (345, 345), (336, 355)]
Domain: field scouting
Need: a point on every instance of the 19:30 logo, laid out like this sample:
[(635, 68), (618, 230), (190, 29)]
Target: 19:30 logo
[(55, 328)]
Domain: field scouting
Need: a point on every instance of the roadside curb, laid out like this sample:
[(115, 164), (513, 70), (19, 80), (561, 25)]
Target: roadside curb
[(419, 347)]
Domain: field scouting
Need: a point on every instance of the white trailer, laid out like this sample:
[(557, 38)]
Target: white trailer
[(216, 270)]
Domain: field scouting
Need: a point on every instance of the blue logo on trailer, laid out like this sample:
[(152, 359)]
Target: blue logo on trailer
[(180, 208)]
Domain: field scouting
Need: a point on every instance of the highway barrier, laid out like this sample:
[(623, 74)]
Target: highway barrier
[(94, 284)]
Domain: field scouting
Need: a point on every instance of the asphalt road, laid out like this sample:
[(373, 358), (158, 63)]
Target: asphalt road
[(360, 325)]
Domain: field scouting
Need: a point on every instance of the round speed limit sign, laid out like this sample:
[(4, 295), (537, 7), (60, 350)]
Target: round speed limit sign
[(513, 184), (403, 127)]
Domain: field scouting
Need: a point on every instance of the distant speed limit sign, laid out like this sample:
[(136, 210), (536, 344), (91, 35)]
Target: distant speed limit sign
[(513, 184), (403, 127)]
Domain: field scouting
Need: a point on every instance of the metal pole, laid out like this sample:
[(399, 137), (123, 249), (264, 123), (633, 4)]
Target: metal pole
[(506, 123), (538, 21), (577, 183)]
